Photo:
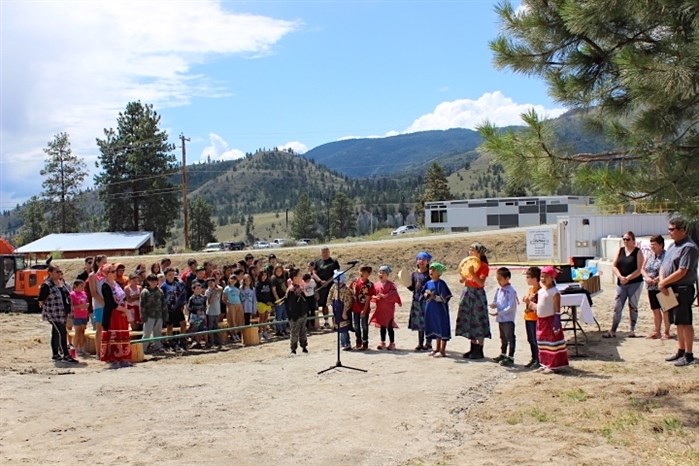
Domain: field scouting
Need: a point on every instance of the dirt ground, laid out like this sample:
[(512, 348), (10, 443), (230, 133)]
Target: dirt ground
[(620, 404)]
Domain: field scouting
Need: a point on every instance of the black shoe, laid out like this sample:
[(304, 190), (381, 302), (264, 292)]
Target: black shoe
[(304, 350), (499, 358), (676, 356), (70, 360), (56, 357), (477, 352)]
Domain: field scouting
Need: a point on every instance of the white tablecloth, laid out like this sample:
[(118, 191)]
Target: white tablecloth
[(580, 300)]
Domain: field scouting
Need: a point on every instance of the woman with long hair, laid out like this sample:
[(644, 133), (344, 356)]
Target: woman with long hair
[(472, 320), (115, 345)]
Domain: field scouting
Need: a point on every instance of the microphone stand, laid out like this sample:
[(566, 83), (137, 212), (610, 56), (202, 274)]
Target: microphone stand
[(338, 363)]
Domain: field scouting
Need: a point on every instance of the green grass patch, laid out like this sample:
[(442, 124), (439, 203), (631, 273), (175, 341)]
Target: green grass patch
[(624, 422), (538, 414), (672, 424), (577, 395)]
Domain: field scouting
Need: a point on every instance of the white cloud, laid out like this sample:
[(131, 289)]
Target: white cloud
[(72, 66), (219, 150), (467, 113), (296, 146), (521, 9)]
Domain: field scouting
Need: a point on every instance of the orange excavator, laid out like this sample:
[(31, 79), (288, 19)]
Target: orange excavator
[(19, 281)]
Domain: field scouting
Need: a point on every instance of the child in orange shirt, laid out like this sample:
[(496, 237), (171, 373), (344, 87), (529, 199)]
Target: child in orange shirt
[(533, 276)]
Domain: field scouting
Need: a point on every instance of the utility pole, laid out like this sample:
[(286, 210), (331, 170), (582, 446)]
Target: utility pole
[(184, 190)]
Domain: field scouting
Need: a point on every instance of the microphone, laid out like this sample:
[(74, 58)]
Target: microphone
[(355, 262)]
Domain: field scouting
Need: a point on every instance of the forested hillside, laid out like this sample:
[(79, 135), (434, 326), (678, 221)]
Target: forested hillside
[(379, 175), (359, 158)]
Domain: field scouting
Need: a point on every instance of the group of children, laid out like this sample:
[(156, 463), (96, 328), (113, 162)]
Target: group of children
[(207, 295), (429, 314), (542, 310)]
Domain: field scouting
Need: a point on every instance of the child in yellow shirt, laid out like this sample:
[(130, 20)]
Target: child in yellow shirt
[(533, 275)]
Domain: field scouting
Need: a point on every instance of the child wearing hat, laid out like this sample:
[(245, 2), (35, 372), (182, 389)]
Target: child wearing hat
[(386, 299), (437, 296)]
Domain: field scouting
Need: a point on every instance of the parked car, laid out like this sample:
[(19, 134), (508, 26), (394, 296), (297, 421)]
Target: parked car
[(405, 229), (261, 245), (235, 245), (303, 242), (214, 247), (278, 242)]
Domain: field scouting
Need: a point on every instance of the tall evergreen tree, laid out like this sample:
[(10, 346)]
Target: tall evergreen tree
[(201, 226), (436, 188), (632, 67), (65, 173), (34, 226), (303, 223), (136, 161), (342, 218)]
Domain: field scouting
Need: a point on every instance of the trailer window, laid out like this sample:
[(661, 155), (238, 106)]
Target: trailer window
[(438, 216)]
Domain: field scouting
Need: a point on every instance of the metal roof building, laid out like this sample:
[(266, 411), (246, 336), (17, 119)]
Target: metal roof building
[(72, 245)]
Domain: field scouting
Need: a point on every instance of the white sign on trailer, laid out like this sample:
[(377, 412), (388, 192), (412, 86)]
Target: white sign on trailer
[(539, 244)]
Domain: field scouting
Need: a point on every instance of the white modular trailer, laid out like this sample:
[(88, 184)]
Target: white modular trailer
[(584, 235), (503, 212)]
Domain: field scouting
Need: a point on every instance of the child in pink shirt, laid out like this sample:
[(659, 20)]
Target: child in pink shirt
[(78, 302)]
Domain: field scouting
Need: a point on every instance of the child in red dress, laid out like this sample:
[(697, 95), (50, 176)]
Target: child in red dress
[(386, 299)]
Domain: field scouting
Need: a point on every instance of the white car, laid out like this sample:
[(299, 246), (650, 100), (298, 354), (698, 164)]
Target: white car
[(261, 245), (214, 247), (278, 242), (405, 229)]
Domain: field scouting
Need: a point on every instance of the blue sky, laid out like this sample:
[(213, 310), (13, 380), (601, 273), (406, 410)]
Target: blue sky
[(237, 76)]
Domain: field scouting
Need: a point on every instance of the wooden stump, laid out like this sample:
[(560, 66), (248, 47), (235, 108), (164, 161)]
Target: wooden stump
[(136, 352), (251, 337)]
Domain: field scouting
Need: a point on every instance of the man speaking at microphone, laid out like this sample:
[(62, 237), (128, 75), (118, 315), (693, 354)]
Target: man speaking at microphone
[(325, 267)]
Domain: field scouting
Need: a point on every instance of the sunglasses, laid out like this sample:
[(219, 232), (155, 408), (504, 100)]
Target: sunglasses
[(111, 271), (672, 228), (627, 239)]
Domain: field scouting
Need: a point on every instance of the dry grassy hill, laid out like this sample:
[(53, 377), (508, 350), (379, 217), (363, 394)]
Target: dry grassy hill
[(399, 253)]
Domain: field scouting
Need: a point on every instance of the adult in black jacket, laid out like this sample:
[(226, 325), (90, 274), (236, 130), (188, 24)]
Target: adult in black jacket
[(297, 310)]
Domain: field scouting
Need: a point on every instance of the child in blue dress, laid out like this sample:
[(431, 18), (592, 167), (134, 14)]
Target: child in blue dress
[(437, 296)]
